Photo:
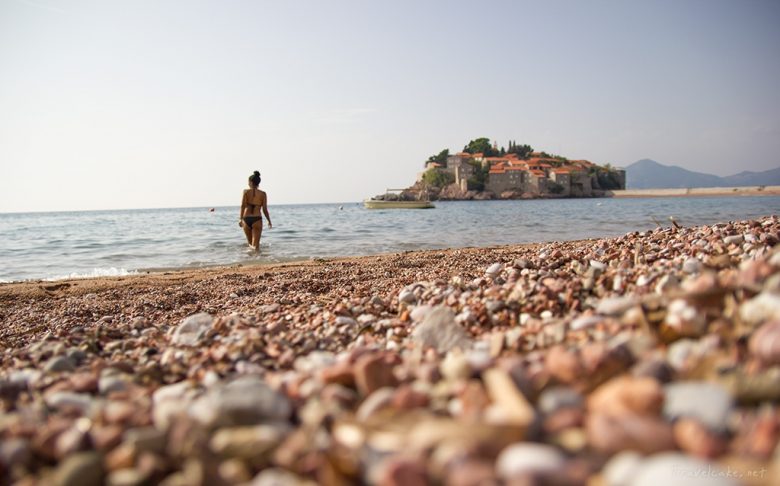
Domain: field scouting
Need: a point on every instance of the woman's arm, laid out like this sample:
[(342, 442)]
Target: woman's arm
[(265, 211), (241, 211)]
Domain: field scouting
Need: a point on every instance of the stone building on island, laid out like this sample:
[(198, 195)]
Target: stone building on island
[(461, 165)]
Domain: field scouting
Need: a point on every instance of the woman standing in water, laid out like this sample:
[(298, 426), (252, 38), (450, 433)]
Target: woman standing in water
[(253, 201)]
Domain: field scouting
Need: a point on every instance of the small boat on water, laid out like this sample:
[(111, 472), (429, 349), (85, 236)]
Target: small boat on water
[(376, 204), (392, 200)]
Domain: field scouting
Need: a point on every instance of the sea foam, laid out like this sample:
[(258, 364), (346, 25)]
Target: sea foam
[(96, 272)]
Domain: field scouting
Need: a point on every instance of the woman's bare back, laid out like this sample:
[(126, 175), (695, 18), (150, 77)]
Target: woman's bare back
[(255, 201)]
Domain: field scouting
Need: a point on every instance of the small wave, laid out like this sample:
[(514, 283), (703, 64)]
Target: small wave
[(117, 256), (96, 272), (91, 245), (221, 244)]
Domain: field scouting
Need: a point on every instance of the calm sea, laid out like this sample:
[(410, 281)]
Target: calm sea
[(104, 243)]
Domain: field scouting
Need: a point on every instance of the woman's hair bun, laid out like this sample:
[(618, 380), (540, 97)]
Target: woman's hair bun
[(257, 173)]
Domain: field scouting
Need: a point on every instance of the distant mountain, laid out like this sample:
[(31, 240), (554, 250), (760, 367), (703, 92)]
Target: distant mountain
[(649, 174), (767, 178)]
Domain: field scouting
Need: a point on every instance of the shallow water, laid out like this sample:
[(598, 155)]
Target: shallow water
[(95, 243)]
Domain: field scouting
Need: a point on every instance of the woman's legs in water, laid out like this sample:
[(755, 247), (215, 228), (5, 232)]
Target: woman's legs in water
[(248, 233), (257, 230)]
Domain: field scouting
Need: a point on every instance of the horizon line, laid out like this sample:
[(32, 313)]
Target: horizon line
[(150, 208)]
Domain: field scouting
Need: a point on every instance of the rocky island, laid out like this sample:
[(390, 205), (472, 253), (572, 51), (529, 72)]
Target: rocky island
[(482, 171)]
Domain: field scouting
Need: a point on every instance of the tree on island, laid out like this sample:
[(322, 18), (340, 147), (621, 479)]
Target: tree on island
[(440, 158), (479, 179), (522, 151), (555, 188), (438, 178), (483, 146)]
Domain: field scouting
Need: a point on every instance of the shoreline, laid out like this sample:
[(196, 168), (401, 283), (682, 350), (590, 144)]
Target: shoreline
[(185, 275), (449, 366)]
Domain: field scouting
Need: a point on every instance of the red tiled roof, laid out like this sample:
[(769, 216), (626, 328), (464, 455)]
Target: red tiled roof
[(537, 173), (574, 168), (537, 160), (497, 168), (584, 163)]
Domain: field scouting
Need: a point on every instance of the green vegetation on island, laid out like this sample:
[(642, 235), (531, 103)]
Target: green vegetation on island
[(438, 178)]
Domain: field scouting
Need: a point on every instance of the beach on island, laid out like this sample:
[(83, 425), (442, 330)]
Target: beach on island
[(649, 358)]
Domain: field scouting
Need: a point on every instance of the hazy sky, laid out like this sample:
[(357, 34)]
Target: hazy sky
[(129, 104)]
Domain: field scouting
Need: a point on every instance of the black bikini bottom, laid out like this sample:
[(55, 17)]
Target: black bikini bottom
[(251, 220)]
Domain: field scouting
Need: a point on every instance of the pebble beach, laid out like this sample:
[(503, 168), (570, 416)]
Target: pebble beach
[(650, 358)]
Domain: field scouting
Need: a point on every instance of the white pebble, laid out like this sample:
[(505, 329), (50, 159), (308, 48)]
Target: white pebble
[(526, 457)]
